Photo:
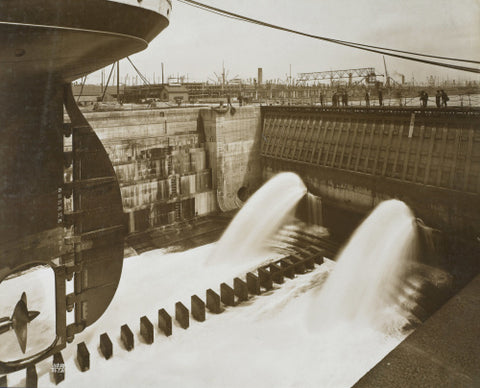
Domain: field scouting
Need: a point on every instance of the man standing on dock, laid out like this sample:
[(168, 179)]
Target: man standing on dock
[(367, 98), (423, 98), (334, 99), (380, 97), (438, 96), (444, 98)]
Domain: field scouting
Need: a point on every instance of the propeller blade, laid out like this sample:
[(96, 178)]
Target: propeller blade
[(32, 315), (19, 322)]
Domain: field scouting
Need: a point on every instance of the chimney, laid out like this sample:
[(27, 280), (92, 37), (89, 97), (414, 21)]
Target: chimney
[(260, 76)]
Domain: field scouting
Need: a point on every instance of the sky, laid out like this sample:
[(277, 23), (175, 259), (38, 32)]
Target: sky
[(196, 43)]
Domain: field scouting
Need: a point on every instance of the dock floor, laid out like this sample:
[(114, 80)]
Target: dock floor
[(443, 352)]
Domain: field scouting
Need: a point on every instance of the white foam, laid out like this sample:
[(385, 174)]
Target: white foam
[(372, 262), (261, 343), (244, 241)]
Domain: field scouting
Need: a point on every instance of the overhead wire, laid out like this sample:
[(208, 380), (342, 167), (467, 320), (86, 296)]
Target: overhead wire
[(212, 11), (84, 79), (142, 77), (108, 81), (360, 46)]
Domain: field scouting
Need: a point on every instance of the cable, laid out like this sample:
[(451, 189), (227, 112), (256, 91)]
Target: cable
[(145, 81), (81, 89), (360, 46), (413, 53), (108, 80), (232, 15), (214, 12)]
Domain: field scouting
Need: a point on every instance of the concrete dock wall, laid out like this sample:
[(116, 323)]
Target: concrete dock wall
[(232, 140), (112, 126), (175, 164), (355, 158), (161, 164)]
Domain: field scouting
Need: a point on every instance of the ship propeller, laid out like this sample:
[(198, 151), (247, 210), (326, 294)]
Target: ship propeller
[(19, 321)]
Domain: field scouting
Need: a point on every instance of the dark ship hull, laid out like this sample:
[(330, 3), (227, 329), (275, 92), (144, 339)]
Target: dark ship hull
[(71, 38), (46, 44)]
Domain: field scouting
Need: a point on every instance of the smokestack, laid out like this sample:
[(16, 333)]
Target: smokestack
[(260, 76)]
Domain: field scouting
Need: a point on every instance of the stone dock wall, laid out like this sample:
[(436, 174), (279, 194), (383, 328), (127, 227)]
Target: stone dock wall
[(177, 164), (233, 142), (354, 158), (160, 162)]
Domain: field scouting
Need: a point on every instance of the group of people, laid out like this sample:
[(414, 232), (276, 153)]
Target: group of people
[(441, 98), (336, 96), (341, 98), (380, 97), (344, 98), (336, 99)]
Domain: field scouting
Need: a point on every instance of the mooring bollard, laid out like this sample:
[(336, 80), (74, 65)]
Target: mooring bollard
[(277, 273), (106, 346), (213, 302), (146, 330), (165, 322), (240, 289), (226, 295), (58, 368), (253, 284), (198, 308), (182, 315), (265, 279), (126, 336), (288, 268), (32, 377), (83, 357)]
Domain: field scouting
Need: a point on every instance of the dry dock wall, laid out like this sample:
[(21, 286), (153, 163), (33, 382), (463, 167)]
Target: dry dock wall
[(354, 158), (160, 162), (232, 141), (175, 164)]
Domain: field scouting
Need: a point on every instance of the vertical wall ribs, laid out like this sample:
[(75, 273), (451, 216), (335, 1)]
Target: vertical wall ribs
[(438, 148)]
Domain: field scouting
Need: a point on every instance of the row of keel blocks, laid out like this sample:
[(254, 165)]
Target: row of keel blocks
[(242, 289)]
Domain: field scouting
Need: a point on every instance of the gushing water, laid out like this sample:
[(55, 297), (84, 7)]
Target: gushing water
[(369, 270), (262, 215)]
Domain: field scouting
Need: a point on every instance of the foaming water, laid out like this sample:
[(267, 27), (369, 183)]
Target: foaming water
[(263, 214), (362, 286), (336, 356)]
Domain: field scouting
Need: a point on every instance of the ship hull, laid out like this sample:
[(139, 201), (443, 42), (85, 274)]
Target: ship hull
[(44, 45), (71, 38)]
